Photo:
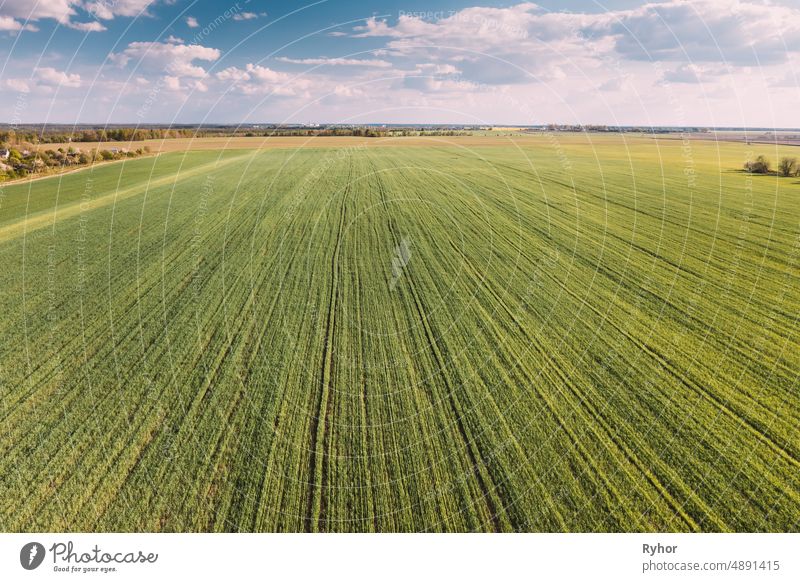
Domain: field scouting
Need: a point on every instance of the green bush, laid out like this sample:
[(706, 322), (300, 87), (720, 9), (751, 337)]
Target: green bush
[(761, 165), (788, 167)]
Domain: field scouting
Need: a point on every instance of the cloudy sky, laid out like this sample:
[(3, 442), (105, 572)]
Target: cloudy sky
[(668, 62)]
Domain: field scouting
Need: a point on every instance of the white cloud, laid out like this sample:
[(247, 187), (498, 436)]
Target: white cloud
[(44, 79), (691, 73), (518, 44), (175, 60), (65, 11), (348, 92), (338, 62), (240, 16), (614, 84), (233, 74), (191, 22), (790, 80), (60, 10), (255, 79), (19, 85), (8, 23), (51, 77), (87, 26), (407, 26), (437, 69), (171, 83), (108, 9), (429, 84), (732, 31)]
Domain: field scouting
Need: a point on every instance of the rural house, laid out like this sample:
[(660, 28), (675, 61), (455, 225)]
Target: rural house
[(4, 154)]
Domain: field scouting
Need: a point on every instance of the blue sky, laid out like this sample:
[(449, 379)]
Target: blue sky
[(667, 62)]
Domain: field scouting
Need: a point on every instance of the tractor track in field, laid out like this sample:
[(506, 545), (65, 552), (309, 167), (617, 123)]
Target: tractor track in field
[(494, 505), (267, 323), (364, 399), (268, 320), (317, 474)]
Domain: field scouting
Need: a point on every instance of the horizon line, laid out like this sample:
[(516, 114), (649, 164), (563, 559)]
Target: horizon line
[(313, 125)]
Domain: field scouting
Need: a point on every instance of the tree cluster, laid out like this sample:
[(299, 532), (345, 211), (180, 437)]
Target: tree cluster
[(22, 163), (761, 165), (20, 137)]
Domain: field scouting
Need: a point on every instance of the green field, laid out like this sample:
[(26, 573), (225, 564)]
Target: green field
[(546, 335)]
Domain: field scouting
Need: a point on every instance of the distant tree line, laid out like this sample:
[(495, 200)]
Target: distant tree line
[(20, 137), (20, 163), (621, 129), (761, 165), (127, 134)]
